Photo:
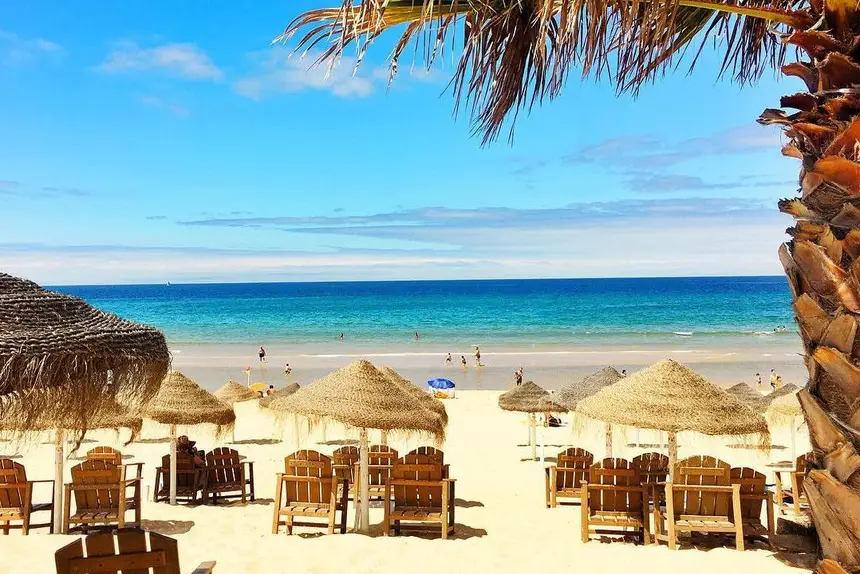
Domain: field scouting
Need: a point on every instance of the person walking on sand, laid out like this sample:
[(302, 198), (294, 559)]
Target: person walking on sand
[(287, 369), (518, 376), (758, 380), (448, 360), (773, 379), (463, 360), (262, 354), (478, 356)]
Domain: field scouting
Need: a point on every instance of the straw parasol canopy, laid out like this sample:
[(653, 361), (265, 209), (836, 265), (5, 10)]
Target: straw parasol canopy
[(233, 392), (571, 394), (361, 396), (285, 392), (425, 399), (784, 390), (110, 415), (668, 396), (50, 340), (748, 396), (529, 398), (181, 401), (784, 409)]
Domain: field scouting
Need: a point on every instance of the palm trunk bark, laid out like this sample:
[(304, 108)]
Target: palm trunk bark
[(822, 263)]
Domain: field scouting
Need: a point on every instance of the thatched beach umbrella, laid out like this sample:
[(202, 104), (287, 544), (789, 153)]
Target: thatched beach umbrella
[(748, 396), (784, 390), (181, 401), (285, 392), (667, 396), (359, 395), (571, 394), (423, 398), (49, 340), (530, 398), (232, 392), (784, 411)]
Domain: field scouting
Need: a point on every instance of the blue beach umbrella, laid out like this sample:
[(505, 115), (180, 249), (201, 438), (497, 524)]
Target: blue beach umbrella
[(441, 388)]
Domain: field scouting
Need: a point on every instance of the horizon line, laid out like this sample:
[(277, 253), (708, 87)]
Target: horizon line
[(353, 281)]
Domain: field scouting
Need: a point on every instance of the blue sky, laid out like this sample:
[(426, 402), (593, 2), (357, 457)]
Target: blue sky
[(154, 141)]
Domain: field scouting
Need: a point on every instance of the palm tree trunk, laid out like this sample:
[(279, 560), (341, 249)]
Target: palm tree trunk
[(822, 263)]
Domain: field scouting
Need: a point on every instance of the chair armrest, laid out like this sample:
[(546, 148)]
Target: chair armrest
[(402, 482), (15, 485), (568, 469), (611, 487), (45, 481), (756, 495), (130, 481), (73, 486), (205, 568)]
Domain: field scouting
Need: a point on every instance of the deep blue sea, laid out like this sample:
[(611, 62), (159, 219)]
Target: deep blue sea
[(506, 312)]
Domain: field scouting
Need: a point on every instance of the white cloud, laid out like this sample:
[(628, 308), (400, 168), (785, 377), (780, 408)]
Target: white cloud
[(183, 60), (15, 50), (283, 75), (166, 105)]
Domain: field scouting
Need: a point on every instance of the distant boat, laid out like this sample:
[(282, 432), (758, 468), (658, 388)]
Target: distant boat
[(683, 333)]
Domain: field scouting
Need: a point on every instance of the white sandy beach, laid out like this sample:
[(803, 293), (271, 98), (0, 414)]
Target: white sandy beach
[(502, 524)]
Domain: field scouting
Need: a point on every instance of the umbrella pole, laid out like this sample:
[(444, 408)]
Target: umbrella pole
[(793, 439), (383, 438), (363, 515), (172, 464), (541, 431), (608, 440), (673, 450), (533, 436), (59, 456)]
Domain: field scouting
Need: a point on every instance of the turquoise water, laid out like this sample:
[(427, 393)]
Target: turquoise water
[(504, 312)]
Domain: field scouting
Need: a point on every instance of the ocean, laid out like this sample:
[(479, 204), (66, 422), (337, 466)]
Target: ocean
[(556, 327), (554, 312)]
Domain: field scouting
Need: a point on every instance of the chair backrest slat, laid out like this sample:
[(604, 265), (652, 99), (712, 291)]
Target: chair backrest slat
[(380, 458), (653, 467), (124, 551), (12, 472), (418, 467), (97, 472), (614, 472), (107, 453), (752, 482), (222, 465), (577, 458), (343, 461)]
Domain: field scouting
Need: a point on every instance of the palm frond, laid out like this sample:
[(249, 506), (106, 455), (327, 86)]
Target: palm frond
[(516, 53)]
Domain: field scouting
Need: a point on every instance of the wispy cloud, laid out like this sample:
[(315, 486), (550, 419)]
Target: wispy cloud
[(647, 151), (16, 189), (15, 50), (177, 110), (276, 73), (183, 60), (156, 217)]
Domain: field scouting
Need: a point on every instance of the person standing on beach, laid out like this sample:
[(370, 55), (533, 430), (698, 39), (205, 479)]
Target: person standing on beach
[(518, 376), (287, 369), (623, 372), (448, 360), (262, 354), (773, 379), (478, 356), (758, 380), (463, 360)]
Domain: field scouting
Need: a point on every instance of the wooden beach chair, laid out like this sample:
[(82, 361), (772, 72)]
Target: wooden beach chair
[(420, 496), (101, 497), (700, 498), (129, 551), (653, 467), (190, 479), (228, 476), (344, 461), (614, 500), (380, 461), (564, 478), (309, 489), (754, 494), (114, 456), (789, 486), (16, 498)]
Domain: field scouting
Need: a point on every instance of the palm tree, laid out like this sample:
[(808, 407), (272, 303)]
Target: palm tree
[(517, 53)]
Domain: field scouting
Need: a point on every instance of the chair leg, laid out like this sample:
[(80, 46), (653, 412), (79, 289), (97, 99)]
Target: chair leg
[(289, 524), (583, 507), (4, 526), (278, 490)]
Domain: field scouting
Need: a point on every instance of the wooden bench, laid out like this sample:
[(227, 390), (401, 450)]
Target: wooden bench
[(419, 496), (564, 478), (129, 551), (16, 498), (700, 498), (101, 497), (228, 476), (614, 500), (308, 489), (792, 488)]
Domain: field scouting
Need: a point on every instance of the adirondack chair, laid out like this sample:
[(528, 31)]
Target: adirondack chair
[(614, 500), (754, 493), (16, 498), (419, 495), (114, 456), (564, 478), (792, 488), (700, 498), (309, 489), (653, 467), (228, 476), (127, 551), (433, 452), (190, 479), (101, 496), (380, 461)]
